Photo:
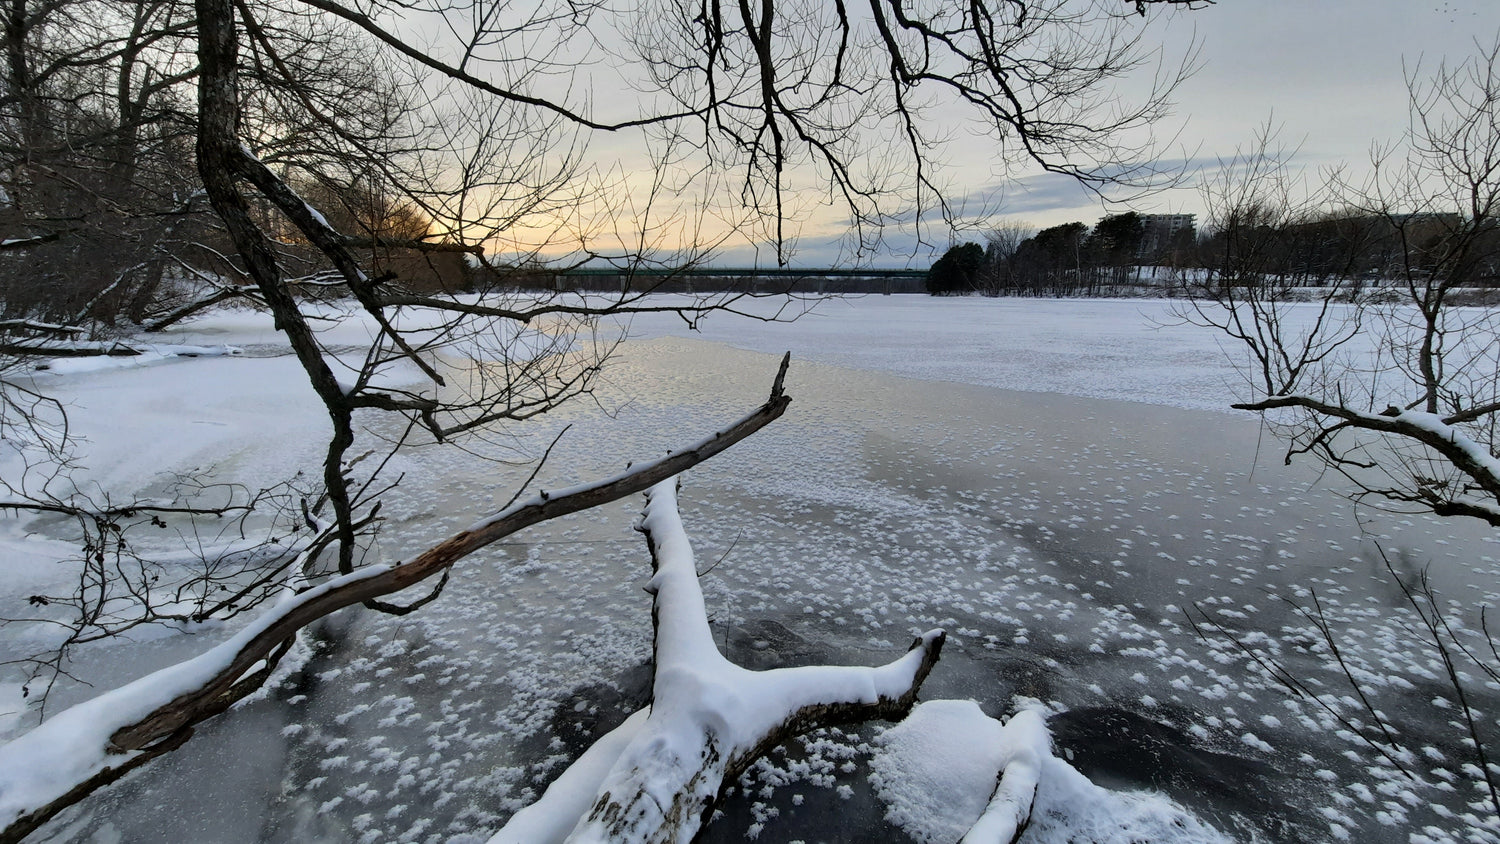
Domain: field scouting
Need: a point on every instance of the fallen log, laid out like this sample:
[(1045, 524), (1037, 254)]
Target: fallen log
[(94, 743), (1009, 810), (658, 776), (38, 327), (68, 350)]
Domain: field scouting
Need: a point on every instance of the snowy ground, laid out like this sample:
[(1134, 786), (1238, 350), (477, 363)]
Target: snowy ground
[(954, 463)]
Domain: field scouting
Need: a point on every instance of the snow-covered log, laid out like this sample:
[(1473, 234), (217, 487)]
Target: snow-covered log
[(949, 772), (657, 777), (96, 742), (33, 326), (1009, 809)]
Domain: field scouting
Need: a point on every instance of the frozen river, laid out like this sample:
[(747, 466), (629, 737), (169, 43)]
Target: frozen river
[(1058, 536)]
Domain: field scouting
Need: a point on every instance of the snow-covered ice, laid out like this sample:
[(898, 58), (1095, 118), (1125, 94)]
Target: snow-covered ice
[(1053, 483)]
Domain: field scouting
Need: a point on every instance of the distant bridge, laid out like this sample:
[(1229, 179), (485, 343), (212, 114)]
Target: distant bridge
[(747, 279)]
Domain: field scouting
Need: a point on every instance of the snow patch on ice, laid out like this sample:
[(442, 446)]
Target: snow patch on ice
[(937, 769)]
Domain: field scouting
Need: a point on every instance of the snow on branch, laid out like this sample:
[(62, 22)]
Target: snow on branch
[(658, 776), (1009, 809), (94, 743), (37, 326), (1439, 433), (949, 772)]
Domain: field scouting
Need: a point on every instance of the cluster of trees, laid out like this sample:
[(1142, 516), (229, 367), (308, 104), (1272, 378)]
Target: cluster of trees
[(1349, 249), (95, 156), (1329, 240), (102, 210), (1064, 260)]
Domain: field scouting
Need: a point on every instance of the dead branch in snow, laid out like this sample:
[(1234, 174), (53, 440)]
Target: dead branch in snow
[(1009, 811), (39, 350), (659, 775), (38, 327), (212, 682), (177, 315)]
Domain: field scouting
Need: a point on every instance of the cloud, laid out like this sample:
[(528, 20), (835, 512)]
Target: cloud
[(1044, 192)]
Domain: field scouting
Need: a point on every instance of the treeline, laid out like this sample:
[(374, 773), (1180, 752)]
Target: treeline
[(1248, 244), (1071, 259)]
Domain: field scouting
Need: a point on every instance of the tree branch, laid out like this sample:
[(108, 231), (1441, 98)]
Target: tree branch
[(659, 775), (1464, 454), (96, 742)]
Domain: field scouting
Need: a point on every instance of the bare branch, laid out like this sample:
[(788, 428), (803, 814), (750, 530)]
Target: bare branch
[(209, 684)]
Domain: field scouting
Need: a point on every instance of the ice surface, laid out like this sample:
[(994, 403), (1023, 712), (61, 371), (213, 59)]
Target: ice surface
[(1057, 538), (1133, 350)]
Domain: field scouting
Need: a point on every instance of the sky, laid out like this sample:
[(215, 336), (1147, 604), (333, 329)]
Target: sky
[(1328, 73)]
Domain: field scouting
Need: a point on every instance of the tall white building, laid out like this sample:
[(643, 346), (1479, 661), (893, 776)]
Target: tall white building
[(1160, 231)]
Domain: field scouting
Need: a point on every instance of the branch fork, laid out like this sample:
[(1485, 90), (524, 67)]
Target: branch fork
[(658, 776)]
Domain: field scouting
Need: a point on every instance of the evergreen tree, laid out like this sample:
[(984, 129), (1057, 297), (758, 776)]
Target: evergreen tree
[(957, 272)]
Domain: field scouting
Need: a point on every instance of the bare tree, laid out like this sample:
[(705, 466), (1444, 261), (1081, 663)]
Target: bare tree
[(1001, 244), (1418, 430), (1388, 376)]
